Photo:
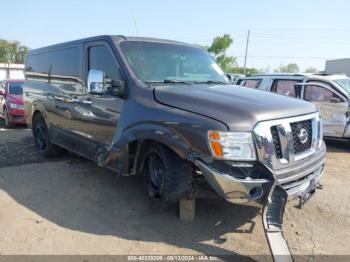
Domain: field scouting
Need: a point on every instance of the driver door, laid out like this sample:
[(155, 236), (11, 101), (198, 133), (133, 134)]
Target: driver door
[(332, 106), (100, 111)]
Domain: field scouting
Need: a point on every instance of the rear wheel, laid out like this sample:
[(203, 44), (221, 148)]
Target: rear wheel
[(7, 119), (169, 178), (42, 140)]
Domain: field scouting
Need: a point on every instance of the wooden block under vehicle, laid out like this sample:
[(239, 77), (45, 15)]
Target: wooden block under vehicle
[(187, 209)]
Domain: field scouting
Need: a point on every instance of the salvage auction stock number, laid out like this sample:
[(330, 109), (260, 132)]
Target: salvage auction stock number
[(172, 258)]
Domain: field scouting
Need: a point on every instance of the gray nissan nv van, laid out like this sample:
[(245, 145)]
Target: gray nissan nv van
[(166, 109)]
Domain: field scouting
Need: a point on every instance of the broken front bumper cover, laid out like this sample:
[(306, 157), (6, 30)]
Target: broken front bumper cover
[(271, 194), (253, 192)]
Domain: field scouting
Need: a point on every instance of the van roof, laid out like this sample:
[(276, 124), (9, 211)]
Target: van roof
[(113, 38)]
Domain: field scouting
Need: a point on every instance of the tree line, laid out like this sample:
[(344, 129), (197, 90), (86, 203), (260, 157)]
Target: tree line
[(15, 52), (12, 52)]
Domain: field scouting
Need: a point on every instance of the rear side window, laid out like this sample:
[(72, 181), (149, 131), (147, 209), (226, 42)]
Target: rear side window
[(58, 63), (285, 87), (319, 94), (251, 83)]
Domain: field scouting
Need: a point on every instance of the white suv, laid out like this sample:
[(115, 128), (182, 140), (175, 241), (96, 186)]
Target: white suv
[(329, 93)]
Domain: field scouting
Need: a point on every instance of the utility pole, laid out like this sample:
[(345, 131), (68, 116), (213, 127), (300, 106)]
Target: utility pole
[(246, 52), (8, 76)]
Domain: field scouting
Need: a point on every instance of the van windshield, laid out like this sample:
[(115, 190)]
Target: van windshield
[(15, 88), (161, 62), (344, 83)]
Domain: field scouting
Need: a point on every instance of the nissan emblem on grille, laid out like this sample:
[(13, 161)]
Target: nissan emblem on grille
[(302, 135)]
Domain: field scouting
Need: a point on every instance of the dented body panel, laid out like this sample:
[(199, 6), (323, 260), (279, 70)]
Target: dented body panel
[(334, 118)]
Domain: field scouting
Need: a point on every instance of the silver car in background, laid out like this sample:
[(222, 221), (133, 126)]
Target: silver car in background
[(329, 93)]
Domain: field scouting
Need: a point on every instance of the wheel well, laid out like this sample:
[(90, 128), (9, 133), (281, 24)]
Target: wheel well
[(137, 153)]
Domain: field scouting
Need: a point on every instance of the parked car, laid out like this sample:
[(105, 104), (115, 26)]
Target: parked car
[(166, 109), (11, 102), (329, 93)]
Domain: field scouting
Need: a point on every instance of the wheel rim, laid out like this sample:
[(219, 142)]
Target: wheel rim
[(156, 171), (40, 138)]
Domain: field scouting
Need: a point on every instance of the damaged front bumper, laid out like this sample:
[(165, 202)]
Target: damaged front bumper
[(253, 192), (271, 194), (300, 180)]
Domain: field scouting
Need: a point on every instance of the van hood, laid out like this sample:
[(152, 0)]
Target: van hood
[(240, 108)]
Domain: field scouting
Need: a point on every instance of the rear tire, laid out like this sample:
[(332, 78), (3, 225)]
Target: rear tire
[(7, 121), (42, 139), (169, 178)]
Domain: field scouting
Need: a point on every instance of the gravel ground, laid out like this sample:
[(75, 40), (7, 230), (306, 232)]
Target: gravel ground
[(68, 205)]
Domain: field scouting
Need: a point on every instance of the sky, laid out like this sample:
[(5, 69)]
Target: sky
[(281, 32)]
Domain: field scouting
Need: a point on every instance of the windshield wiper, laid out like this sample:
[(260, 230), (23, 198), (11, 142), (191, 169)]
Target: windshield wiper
[(211, 82), (176, 81), (169, 81)]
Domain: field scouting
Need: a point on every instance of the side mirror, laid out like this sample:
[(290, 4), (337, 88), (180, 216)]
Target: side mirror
[(118, 88), (96, 82), (2, 92)]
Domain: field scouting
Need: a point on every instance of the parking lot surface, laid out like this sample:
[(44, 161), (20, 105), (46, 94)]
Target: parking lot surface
[(68, 205)]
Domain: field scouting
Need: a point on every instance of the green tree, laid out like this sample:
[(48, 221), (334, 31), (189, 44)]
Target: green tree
[(12, 51), (290, 68), (248, 71), (311, 70), (218, 50)]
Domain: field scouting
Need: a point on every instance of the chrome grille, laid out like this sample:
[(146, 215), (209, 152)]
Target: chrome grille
[(284, 142), (276, 142), (296, 127)]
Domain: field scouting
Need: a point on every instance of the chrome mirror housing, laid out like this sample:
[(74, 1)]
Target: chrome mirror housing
[(96, 81)]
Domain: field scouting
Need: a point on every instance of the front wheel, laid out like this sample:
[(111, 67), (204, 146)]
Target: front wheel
[(169, 178), (42, 141), (7, 119)]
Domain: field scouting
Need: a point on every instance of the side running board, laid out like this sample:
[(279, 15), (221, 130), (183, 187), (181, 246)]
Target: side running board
[(273, 220)]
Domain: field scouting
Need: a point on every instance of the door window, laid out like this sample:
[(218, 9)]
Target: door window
[(320, 94), (251, 83), (285, 87), (101, 58)]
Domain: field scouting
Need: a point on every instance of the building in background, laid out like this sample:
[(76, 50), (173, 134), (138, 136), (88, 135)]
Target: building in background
[(11, 71), (338, 66)]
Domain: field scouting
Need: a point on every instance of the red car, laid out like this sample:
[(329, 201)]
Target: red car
[(11, 102)]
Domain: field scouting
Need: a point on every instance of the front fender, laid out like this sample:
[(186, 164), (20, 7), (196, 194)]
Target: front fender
[(37, 107), (152, 131)]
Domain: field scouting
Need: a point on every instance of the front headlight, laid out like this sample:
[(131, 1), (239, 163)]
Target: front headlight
[(16, 106), (232, 145)]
